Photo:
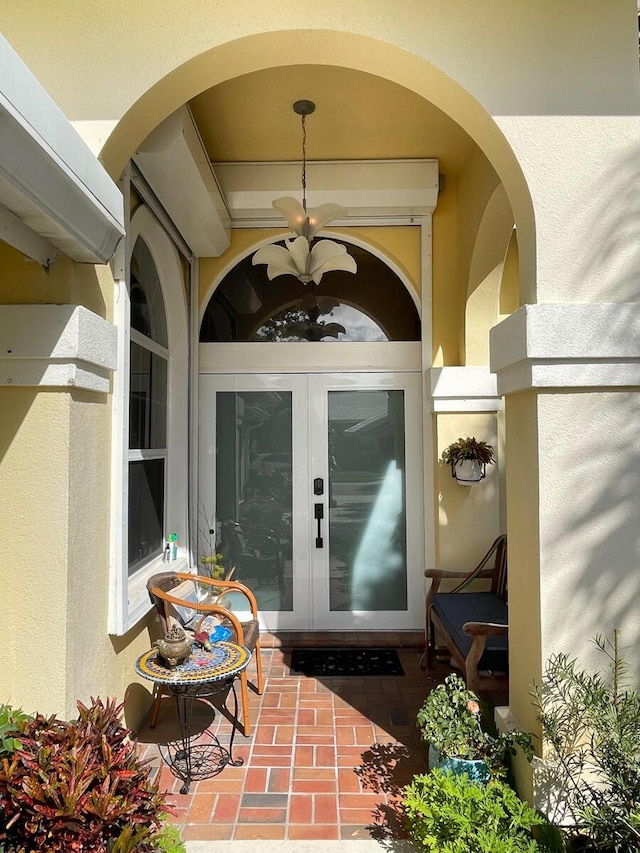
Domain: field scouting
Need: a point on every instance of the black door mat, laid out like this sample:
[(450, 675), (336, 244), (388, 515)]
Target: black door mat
[(344, 662)]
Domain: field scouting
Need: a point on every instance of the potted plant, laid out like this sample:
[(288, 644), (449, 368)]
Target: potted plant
[(450, 723), (468, 458)]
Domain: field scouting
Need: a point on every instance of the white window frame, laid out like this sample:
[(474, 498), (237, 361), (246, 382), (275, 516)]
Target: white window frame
[(129, 601)]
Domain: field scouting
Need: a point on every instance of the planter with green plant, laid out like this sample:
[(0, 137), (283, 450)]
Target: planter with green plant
[(453, 814), (468, 458), (591, 747), (450, 722)]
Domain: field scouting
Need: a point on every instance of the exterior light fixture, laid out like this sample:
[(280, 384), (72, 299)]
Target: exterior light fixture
[(304, 256)]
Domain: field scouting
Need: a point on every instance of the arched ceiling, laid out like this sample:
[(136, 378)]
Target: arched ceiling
[(358, 117)]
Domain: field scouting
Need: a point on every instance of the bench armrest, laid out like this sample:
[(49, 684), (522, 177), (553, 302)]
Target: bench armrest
[(479, 629), (450, 573)]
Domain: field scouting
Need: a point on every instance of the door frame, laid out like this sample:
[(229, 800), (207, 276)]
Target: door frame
[(301, 494)]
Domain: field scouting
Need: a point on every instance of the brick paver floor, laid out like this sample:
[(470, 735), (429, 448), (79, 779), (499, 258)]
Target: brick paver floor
[(327, 758)]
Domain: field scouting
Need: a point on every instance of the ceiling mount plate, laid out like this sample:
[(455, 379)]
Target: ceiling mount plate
[(304, 108)]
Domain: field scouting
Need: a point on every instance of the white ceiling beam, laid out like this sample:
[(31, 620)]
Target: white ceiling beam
[(14, 232)]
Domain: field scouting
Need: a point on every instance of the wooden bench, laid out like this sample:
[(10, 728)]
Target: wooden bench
[(472, 625)]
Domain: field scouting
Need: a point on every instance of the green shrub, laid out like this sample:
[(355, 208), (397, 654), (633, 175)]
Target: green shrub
[(11, 721), (78, 786), (168, 839), (450, 814), (591, 732)]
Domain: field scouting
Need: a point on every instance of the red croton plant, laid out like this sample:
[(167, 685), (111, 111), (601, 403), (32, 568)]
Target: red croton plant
[(78, 786)]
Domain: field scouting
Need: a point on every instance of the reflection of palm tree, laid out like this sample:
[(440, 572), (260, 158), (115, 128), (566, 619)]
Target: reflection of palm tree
[(314, 329), (303, 321)]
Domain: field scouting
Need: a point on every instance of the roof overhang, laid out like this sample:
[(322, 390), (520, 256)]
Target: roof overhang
[(54, 194)]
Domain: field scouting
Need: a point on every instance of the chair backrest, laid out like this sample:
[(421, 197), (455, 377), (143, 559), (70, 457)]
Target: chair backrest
[(497, 568), (499, 579), (168, 612)]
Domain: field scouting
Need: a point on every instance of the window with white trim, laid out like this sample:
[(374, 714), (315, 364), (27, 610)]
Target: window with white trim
[(148, 371), (151, 423)]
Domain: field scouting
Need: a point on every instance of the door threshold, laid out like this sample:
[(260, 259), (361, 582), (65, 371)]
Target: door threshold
[(328, 639)]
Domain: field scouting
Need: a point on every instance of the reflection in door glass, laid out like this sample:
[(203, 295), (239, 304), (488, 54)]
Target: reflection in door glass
[(254, 492), (367, 506)]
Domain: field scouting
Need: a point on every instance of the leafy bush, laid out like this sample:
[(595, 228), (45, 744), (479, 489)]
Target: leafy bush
[(591, 731), (78, 786), (168, 839), (450, 814), (11, 720), (449, 720)]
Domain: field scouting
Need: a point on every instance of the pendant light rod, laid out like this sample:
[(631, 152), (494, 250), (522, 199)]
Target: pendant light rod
[(304, 108), (304, 256)]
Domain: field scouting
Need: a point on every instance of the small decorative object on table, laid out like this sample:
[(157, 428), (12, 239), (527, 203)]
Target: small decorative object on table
[(202, 637), (449, 720), (468, 458), (175, 647)]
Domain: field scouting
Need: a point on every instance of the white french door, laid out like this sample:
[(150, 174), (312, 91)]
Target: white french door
[(314, 485)]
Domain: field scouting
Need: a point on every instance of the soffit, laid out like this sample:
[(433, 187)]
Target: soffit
[(358, 117)]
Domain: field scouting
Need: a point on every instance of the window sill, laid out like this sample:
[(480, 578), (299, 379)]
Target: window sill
[(139, 604)]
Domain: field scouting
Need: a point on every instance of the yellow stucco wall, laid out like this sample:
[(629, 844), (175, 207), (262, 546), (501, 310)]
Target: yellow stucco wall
[(523, 516), (55, 471), (34, 489), (468, 517)]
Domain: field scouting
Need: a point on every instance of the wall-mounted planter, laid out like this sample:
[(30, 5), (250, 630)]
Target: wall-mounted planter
[(468, 472), (468, 458)]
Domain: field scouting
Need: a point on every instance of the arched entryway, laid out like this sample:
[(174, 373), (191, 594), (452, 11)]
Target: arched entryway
[(376, 113)]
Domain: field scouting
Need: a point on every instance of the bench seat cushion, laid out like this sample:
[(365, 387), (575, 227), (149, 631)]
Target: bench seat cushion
[(455, 609)]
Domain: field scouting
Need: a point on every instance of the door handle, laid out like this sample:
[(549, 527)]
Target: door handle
[(318, 514)]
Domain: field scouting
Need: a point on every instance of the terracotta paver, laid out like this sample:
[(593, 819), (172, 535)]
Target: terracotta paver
[(327, 758)]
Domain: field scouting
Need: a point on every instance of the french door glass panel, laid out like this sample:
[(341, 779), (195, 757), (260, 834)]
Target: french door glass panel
[(367, 517), (277, 451), (254, 477)]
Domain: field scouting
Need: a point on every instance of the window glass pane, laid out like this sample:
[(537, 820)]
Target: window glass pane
[(367, 501), (254, 492), (147, 399), (146, 511), (372, 305), (314, 319), (147, 304)]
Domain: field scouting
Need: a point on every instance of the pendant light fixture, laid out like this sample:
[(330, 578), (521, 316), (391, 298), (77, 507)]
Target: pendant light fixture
[(304, 256)]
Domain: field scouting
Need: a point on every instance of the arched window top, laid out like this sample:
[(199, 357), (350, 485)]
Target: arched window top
[(370, 305), (147, 304)]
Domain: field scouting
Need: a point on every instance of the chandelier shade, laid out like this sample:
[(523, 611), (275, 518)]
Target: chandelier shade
[(305, 257)]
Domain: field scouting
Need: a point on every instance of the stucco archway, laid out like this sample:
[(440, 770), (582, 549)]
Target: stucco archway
[(341, 49)]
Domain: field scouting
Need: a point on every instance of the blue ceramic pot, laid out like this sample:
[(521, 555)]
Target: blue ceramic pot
[(477, 771)]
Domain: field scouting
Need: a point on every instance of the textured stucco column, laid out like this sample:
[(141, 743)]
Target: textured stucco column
[(54, 503), (570, 375)]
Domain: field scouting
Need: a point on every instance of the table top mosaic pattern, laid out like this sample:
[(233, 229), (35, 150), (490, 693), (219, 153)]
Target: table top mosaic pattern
[(222, 662)]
